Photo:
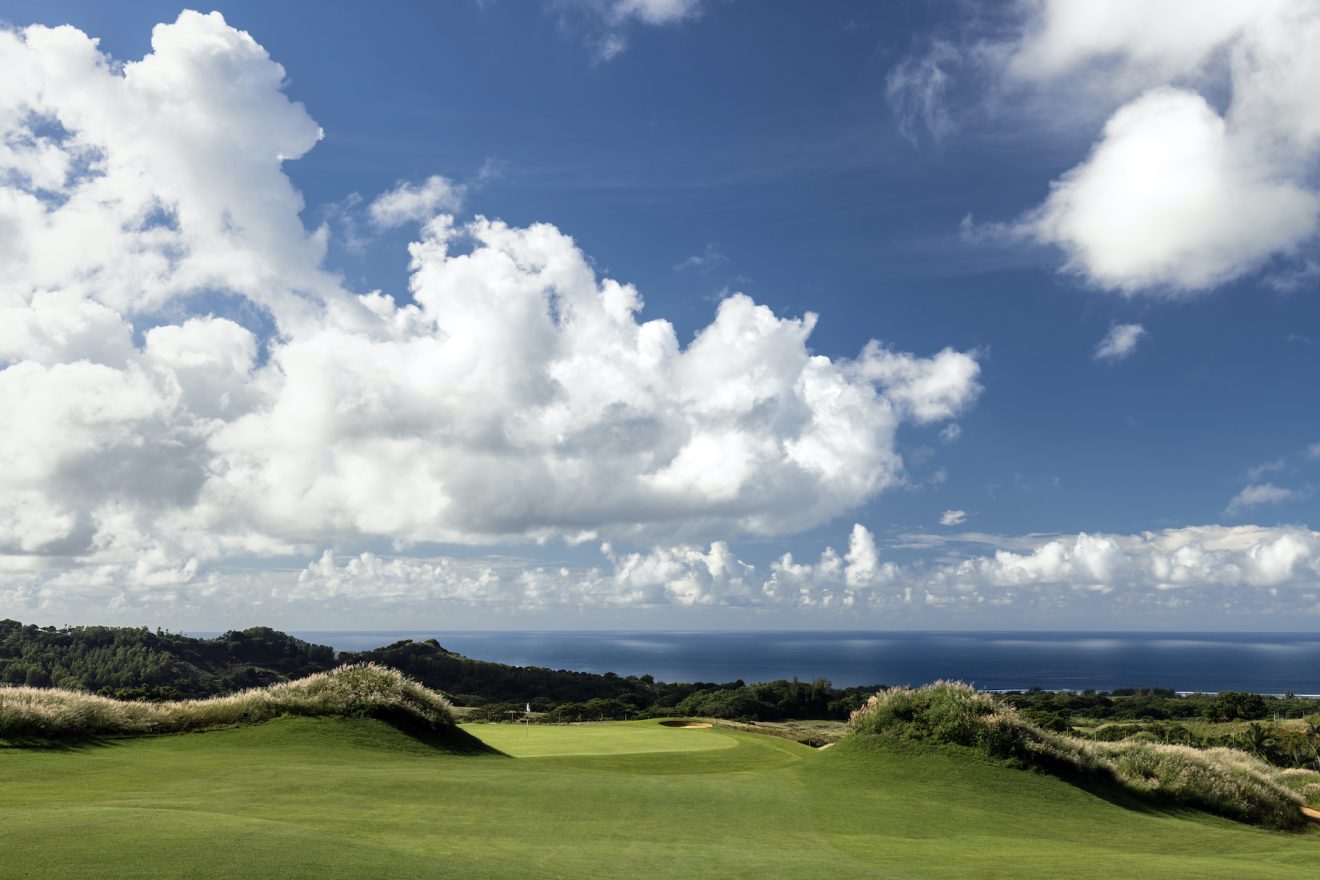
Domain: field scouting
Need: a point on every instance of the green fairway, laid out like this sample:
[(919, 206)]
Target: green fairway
[(328, 797), (540, 741)]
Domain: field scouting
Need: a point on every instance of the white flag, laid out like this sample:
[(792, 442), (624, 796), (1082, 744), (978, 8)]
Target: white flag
[(529, 708)]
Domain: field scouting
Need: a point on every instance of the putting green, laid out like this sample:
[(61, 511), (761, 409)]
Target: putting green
[(356, 798), (607, 738)]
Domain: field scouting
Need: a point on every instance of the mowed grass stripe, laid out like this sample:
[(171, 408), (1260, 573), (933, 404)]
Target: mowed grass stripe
[(349, 798)]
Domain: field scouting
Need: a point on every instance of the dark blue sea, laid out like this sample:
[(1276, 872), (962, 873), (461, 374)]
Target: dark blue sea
[(1259, 662)]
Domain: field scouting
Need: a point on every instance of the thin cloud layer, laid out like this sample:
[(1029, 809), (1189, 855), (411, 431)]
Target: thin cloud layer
[(1120, 342), (513, 395), (608, 21), (408, 203), (1256, 495)]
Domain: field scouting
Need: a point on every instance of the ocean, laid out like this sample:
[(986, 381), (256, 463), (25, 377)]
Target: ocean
[(1271, 663)]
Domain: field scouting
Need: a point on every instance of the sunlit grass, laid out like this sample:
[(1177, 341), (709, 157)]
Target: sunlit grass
[(355, 797)]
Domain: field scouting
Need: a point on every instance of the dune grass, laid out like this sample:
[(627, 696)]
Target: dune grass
[(1223, 781), (354, 797), (364, 689)]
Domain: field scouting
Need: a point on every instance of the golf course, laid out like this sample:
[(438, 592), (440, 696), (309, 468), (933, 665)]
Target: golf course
[(359, 797)]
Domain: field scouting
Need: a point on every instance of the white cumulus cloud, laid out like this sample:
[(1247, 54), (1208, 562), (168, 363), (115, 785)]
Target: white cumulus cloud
[(1176, 196), (521, 396), (184, 384), (1169, 198), (1240, 572), (953, 517), (1205, 168)]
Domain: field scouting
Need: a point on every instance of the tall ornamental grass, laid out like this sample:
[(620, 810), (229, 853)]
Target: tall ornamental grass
[(1223, 781), (364, 689)]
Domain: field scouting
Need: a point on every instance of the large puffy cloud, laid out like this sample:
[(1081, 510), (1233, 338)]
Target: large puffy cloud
[(128, 185), (513, 395), (1206, 168), (1175, 196), (1166, 39), (1171, 197), (520, 396)]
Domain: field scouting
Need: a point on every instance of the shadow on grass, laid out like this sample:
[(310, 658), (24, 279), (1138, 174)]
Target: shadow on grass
[(1096, 783), (450, 740), (65, 744), (1106, 788)]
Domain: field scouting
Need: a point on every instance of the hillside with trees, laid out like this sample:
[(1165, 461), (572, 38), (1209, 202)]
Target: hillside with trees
[(142, 664)]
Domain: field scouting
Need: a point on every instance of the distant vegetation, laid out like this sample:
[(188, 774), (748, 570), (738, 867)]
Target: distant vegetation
[(1284, 731), (1224, 781), (141, 664), (138, 664), (363, 690), (1156, 704)]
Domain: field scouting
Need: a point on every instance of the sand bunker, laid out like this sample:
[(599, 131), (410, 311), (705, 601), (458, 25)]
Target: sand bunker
[(1313, 815), (685, 724)]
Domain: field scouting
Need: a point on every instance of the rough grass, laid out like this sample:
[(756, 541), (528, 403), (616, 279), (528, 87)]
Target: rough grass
[(358, 690), (1223, 781)]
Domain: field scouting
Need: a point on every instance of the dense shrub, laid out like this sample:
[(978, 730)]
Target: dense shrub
[(1224, 781), (1234, 705), (359, 690)]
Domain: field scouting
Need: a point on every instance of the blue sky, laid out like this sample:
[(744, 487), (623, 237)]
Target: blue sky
[(927, 176)]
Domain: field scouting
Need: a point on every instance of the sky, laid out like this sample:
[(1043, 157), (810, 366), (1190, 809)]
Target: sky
[(660, 314)]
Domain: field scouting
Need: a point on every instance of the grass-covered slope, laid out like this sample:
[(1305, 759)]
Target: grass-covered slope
[(358, 690), (1223, 781), (353, 797)]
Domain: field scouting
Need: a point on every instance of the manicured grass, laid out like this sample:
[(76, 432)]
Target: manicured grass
[(541, 741), (353, 797)]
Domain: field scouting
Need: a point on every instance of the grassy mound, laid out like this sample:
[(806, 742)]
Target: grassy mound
[(1223, 781), (359, 690)]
